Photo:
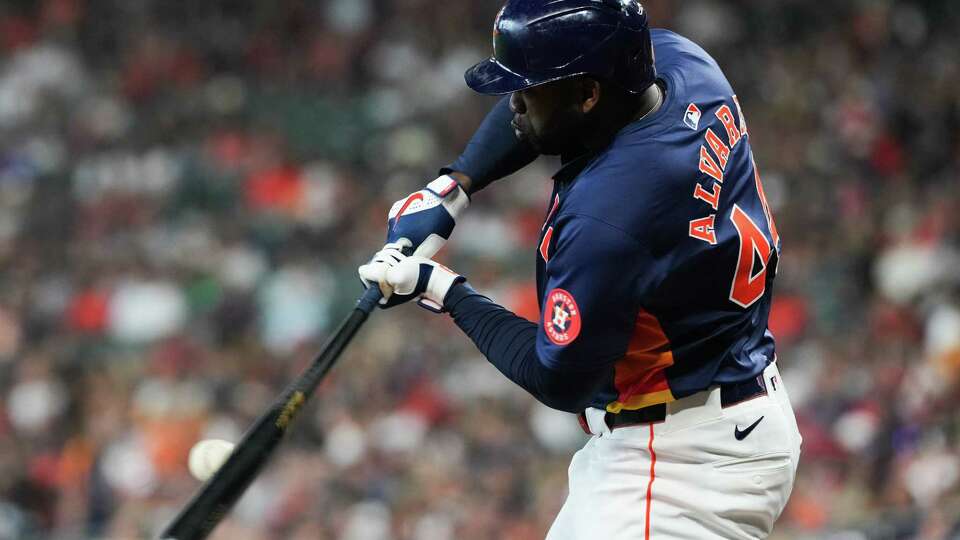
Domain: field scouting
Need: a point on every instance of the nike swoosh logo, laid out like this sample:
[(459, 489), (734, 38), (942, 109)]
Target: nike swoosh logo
[(410, 200), (741, 435)]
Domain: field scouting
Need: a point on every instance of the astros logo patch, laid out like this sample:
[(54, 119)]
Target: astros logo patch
[(561, 317), (692, 117)]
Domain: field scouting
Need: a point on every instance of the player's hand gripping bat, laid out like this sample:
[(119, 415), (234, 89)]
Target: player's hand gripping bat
[(217, 496)]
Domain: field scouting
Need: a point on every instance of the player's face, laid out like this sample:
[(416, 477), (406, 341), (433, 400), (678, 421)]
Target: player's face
[(549, 116)]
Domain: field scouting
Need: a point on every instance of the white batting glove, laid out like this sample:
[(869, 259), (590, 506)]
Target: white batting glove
[(402, 278), (426, 218)]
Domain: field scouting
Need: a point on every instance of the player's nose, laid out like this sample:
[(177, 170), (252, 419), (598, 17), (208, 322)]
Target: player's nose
[(516, 103)]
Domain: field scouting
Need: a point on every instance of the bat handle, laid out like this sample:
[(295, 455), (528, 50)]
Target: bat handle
[(368, 302)]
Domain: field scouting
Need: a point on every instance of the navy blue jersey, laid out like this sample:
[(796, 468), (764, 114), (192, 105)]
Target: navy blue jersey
[(658, 254)]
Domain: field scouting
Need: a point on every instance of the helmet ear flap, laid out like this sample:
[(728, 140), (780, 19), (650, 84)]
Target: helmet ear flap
[(637, 60), (637, 65)]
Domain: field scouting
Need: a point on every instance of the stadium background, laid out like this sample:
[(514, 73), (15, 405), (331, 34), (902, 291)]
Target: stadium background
[(188, 187)]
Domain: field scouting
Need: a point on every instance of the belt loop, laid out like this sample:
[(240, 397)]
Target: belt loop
[(596, 420), (582, 418)]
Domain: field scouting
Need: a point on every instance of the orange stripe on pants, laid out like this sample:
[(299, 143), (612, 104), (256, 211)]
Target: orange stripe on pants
[(653, 463)]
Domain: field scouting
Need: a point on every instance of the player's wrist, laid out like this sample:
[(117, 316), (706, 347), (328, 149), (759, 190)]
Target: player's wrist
[(458, 291), (463, 180)]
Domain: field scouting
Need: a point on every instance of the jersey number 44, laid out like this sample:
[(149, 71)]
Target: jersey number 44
[(756, 245)]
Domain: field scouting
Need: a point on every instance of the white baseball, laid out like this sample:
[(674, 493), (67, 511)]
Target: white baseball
[(207, 456)]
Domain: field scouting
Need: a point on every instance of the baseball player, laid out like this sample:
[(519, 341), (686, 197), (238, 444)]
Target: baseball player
[(655, 269)]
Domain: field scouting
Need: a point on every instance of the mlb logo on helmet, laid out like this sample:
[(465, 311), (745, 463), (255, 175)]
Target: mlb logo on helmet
[(692, 117), (561, 317)]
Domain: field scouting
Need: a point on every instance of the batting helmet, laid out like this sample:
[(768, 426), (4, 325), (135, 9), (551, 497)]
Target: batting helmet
[(539, 41)]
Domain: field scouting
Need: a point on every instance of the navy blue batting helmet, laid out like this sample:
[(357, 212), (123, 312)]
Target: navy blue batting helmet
[(539, 41)]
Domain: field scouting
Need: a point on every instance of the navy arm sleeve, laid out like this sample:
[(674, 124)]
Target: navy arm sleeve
[(596, 271), (494, 150), (509, 343)]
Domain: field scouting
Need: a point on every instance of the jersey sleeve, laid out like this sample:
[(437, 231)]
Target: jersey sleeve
[(494, 150), (596, 277)]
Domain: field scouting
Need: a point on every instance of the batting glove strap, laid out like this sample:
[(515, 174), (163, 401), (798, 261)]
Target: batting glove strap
[(403, 278), (439, 281), (446, 187)]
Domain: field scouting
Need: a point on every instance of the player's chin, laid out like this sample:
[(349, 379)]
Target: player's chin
[(559, 136), (520, 135), (522, 132), (532, 140), (538, 143)]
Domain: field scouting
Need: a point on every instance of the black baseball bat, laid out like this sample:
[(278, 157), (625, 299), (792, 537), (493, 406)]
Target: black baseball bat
[(216, 497)]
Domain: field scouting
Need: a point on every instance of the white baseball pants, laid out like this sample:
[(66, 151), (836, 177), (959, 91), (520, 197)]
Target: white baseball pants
[(688, 477)]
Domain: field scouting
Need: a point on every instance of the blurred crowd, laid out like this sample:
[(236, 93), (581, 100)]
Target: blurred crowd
[(186, 189)]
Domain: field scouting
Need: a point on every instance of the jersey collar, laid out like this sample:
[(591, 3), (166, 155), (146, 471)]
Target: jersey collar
[(572, 167)]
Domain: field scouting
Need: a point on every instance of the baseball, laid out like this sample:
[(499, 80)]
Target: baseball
[(207, 456)]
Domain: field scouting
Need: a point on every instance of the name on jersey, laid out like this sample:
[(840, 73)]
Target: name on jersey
[(713, 157)]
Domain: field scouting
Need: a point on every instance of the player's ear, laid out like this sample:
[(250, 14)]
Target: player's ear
[(589, 94)]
